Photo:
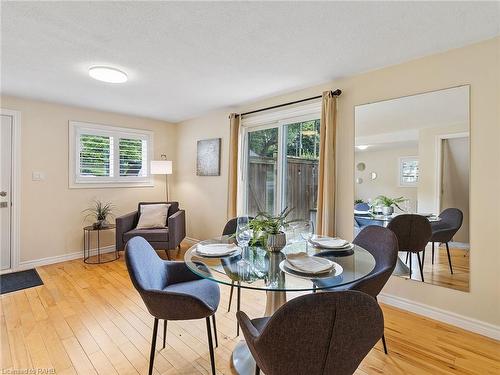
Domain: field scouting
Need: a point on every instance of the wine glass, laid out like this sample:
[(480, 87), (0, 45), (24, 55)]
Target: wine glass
[(306, 230), (243, 231)]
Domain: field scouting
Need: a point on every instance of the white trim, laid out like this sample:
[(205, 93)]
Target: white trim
[(57, 259), (439, 163), (75, 128), (469, 324), (15, 240), (283, 114)]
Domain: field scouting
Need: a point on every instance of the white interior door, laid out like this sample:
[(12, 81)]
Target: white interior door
[(5, 191)]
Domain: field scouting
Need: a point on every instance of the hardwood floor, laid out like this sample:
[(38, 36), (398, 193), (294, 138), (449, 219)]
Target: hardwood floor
[(88, 319), (439, 272)]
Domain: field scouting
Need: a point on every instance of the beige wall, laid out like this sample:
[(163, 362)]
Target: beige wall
[(51, 213), (477, 65), (428, 163), (386, 164)]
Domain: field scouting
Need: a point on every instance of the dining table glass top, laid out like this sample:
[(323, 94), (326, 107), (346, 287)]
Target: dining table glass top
[(255, 268)]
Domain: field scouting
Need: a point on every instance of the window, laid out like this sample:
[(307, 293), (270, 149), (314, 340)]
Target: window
[(408, 171), (279, 163), (107, 156)]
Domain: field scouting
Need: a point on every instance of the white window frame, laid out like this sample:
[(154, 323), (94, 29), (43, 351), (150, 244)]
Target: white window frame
[(266, 120), (401, 160), (77, 128)]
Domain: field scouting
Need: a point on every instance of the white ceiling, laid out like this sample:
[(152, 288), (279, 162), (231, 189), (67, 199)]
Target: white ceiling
[(184, 59)]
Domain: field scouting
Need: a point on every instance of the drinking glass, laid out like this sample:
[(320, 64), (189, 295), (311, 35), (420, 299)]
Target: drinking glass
[(243, 231), (306, 230)]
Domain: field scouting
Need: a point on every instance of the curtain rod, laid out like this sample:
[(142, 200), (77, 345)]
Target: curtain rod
[(335, 92)]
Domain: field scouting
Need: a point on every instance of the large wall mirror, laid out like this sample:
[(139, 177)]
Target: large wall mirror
[(415, 152)]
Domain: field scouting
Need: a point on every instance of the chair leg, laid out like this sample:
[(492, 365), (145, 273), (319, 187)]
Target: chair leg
[(153, 347), (257, 370), (210, 345), (411, 256), (164, 332), (238, 305), (230, 296), (433, 253), (168, 254), (407, 255), (449, 257), (420, 266), (385, 345), (314, 288), (215, 331)]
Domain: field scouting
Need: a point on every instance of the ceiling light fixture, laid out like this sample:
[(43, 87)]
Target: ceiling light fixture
[(362, 147), (107, 74)]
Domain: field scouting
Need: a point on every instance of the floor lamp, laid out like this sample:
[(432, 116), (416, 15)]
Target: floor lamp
[(162, 166)]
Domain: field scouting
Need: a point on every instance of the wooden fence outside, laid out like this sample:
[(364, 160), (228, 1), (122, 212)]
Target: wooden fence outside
[(300, 188)]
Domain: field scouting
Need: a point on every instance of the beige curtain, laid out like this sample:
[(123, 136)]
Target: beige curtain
[(232, 194), (325, 221)]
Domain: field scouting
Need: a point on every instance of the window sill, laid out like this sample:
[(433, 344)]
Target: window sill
[(110, 185)]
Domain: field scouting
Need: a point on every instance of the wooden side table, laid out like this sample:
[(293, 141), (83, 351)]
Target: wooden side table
[(87, 256)]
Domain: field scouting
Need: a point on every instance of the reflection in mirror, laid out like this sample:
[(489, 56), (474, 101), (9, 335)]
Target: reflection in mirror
[(419, 146), (361, 166)]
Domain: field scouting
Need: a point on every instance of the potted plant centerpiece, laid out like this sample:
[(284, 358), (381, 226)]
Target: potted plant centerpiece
[(100, 212), (268, 230), (388, 204)]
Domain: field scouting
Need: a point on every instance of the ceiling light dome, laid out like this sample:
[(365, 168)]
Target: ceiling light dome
[(107, 74)]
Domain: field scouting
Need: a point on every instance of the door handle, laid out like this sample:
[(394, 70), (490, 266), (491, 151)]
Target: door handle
[(3, 193)]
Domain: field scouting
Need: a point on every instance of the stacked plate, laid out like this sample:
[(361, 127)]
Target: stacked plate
[(331, 243), (216, 250), (307, 266)]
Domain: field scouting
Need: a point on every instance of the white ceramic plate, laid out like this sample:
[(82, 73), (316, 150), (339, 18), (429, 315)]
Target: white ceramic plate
[(217, 250), (336, 270)]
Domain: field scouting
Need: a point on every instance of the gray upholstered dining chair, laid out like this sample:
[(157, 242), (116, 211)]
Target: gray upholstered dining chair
[(382, 244), (171, 291), (315, 334), (444, 230), (413, 233)]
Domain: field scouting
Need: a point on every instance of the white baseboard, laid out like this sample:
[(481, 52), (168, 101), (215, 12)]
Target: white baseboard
[(60, 258), (469, 324)]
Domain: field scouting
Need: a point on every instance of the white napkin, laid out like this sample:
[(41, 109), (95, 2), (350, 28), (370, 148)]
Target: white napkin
[(309, 264), (329, 243), (216, 249)]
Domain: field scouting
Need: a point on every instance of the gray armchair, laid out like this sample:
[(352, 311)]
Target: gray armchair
[(159, 238)]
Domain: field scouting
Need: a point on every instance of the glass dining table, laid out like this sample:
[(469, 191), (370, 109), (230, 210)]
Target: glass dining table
[(255, 268)]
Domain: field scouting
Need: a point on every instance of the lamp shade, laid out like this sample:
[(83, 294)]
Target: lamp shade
[(161, 167)]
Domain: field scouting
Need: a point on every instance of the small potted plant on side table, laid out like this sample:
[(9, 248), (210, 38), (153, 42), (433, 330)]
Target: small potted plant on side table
[(100, 211)]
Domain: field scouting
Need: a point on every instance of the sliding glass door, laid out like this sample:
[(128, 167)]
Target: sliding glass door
[(280, 168)]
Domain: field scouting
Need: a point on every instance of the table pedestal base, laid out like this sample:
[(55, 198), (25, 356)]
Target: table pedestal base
[(243, 362)]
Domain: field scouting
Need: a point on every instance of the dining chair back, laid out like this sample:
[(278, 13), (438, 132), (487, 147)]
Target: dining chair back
[(315, 334), (170, 291), (230, 229), (382, 244), (444, 230), (231, 226), (414, 233)]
